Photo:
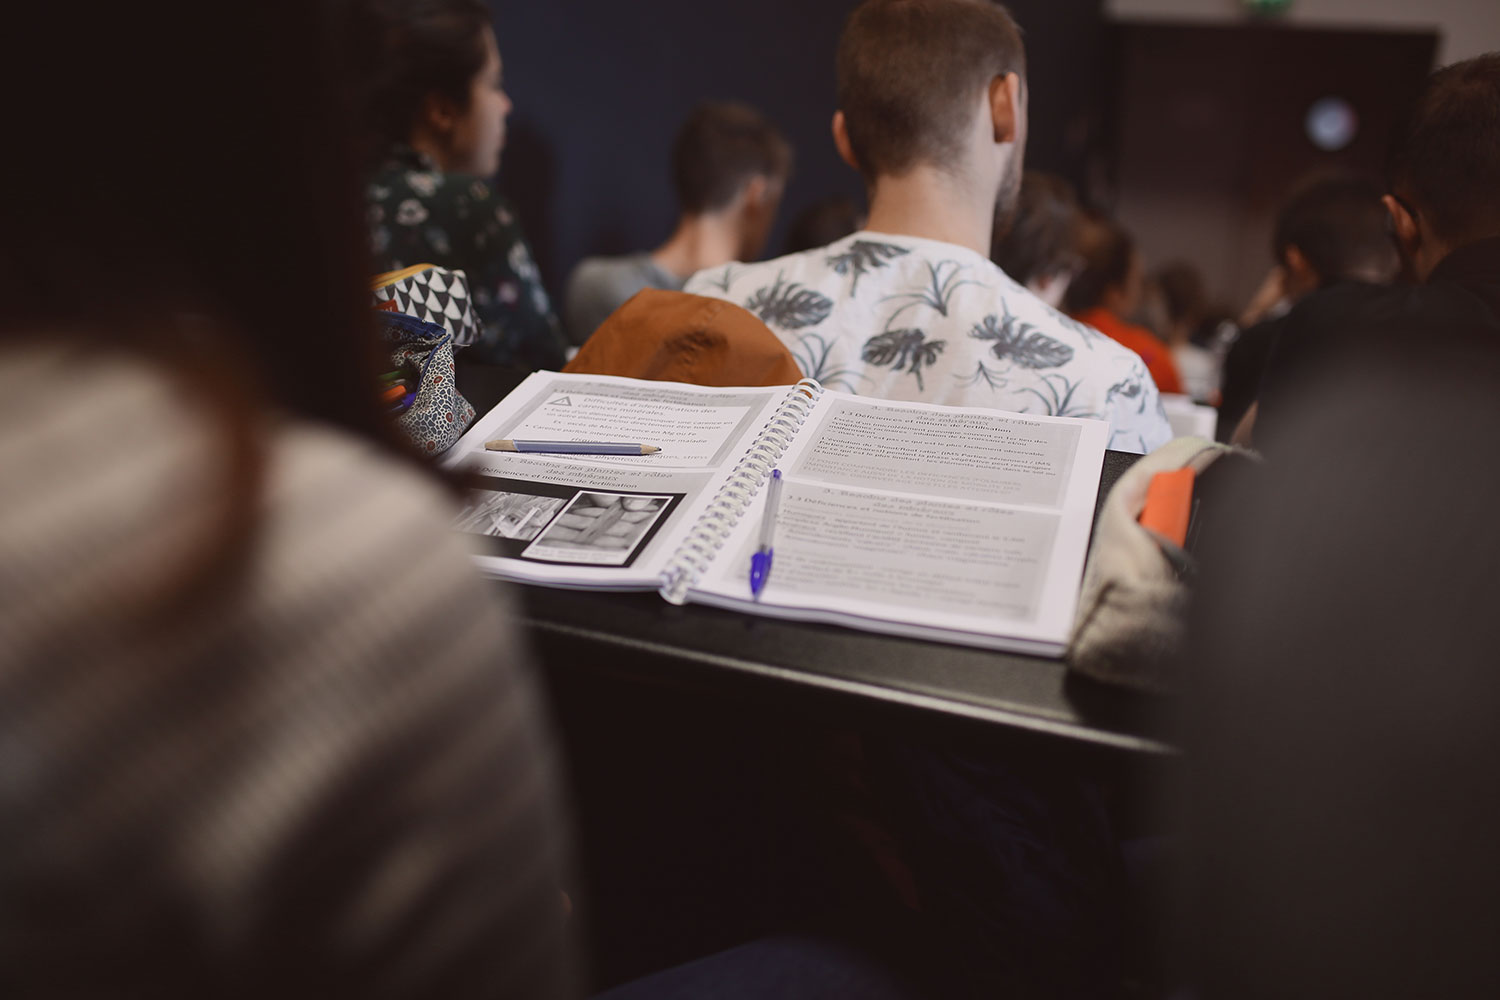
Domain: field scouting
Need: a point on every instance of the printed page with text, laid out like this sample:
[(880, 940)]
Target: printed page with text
[(942, 522)]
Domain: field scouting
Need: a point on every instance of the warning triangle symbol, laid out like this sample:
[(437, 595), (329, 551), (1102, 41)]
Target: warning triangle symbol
[(560, 401)]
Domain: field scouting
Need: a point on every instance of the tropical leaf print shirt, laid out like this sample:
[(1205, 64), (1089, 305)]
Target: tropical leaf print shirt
[(420, 215), (906, 318)]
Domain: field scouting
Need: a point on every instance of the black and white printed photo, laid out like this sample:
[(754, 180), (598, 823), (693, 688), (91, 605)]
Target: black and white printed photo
[(520, 516), (601, 529)]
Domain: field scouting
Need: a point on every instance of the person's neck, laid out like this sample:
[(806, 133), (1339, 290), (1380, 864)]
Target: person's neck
[(698, 242), (425, 144), (934, 205)]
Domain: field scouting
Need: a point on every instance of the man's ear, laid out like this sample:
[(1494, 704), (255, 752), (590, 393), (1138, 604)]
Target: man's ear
[(1403, 225), (841, 140), (753, 194), (1301, 277), (1005, 106)]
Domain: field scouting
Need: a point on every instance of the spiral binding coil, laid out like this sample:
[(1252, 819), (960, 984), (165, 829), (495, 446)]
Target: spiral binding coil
[(691, 559)]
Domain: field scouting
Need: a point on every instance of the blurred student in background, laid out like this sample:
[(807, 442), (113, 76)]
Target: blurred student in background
[(729, 168), (264, 732), (434, 108), (1108, 289), (1186, 318), (1035, 245), (1333, 229)]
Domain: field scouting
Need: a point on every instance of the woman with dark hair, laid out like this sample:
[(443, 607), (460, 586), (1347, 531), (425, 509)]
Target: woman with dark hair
[(263, 732), (434, 110)]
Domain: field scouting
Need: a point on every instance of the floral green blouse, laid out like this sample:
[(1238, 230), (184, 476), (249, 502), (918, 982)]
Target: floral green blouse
[(420, 215)]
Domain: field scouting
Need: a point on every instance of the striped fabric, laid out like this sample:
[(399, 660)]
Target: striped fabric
[(334, 782)]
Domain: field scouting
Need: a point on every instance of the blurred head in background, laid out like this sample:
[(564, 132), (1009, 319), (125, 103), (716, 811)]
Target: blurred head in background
[(1035, 243), (433, 81), (729, 160), (1184, 301), (1444, 168), (1112, 277), (1333, 229)]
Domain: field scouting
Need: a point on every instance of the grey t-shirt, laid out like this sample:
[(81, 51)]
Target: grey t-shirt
[(600, 285)]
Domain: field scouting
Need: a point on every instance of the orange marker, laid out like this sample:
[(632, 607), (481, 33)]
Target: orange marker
[(1169, 504), (393, 394)]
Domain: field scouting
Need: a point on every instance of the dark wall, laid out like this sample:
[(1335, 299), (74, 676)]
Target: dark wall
[(601, 86)]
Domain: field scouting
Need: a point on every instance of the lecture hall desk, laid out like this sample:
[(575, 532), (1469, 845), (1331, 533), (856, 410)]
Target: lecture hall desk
[(690, 736)]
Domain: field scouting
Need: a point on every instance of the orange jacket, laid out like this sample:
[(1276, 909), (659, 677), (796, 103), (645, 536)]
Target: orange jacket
[(1156, 355)]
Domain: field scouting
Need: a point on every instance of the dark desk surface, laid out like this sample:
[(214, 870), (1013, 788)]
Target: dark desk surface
[(1033, 698), (698, 743)]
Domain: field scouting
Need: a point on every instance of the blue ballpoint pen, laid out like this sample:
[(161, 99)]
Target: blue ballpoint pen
[(760, 562)]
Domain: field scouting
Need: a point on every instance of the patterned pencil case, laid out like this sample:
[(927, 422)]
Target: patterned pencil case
[(432, 412)]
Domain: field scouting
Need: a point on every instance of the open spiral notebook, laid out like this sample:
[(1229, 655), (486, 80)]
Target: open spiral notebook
[(952, 523)]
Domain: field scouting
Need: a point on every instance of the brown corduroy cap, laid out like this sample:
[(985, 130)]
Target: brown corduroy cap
[(677, 337)]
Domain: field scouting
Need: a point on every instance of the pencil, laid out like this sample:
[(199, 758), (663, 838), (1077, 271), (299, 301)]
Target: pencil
[(572, 447)]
